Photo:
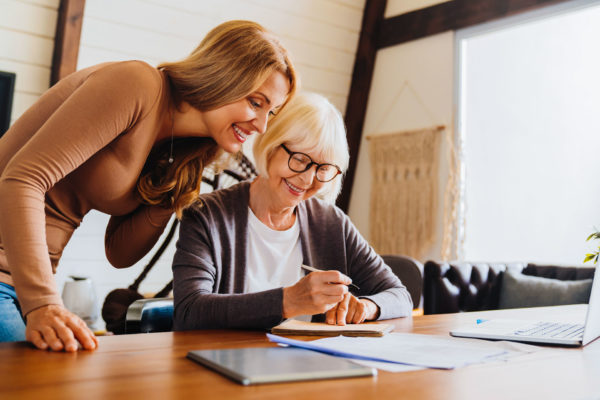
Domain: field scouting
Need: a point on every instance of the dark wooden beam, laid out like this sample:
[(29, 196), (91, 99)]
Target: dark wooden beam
[(356, 106), (448, 16), (66, 40)]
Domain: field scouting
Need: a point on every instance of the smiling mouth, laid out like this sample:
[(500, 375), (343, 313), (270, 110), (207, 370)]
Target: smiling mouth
[(240, 135), (293, 188)]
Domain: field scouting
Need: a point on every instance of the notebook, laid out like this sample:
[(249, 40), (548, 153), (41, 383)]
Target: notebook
[(295, 327), (257, 365), (550, 332)]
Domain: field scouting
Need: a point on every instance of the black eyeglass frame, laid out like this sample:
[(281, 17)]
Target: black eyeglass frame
[(310, 164)]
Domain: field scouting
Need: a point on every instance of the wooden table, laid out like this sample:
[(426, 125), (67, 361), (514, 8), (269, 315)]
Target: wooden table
[(153, 366)]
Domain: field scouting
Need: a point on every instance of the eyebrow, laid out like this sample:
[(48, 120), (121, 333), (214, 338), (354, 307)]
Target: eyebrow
[(266, 98)]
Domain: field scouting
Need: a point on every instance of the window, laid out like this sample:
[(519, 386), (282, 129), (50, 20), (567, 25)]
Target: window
[(529, 122)]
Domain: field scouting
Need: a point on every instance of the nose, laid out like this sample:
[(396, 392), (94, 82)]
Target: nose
[(260, 121), (308, 176)]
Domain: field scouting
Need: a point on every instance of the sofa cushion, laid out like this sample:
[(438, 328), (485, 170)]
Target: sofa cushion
[(519, 290), (463, 286), (450, 287)]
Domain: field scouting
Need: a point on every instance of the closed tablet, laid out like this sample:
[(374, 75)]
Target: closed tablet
[(256, 365)]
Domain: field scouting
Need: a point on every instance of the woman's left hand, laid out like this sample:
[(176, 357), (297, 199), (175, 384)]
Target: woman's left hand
[(352, 310)]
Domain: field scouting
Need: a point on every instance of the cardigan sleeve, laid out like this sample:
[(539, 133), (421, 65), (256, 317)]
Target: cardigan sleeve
[(105, 105), (331, 241), (204, 272)]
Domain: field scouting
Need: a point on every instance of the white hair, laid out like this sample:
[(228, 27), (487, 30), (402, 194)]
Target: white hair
[(310, 122)]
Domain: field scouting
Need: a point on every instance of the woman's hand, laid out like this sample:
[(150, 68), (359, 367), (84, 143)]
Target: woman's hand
[(55, 327), (352, 310), (316, 293)]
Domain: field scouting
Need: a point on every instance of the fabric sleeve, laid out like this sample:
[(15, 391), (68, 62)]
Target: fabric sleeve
[(105, 105), (376, 280), (130, 237), (202, 281)]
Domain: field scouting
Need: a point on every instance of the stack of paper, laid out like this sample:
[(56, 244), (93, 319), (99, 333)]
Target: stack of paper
[(408, 349)]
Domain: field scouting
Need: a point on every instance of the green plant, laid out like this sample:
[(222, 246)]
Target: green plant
[(596, 254)]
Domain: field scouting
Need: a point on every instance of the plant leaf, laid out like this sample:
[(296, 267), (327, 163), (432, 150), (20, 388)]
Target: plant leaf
[(595, 235)]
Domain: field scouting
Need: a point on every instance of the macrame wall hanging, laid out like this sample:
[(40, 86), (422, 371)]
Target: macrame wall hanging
[(405, 188), (404, 191)]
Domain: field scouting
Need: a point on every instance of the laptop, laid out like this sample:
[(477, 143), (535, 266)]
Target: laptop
[(258, 365), (549, 332)]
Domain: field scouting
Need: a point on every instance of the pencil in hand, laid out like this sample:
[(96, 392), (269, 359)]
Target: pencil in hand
[(313, 269)]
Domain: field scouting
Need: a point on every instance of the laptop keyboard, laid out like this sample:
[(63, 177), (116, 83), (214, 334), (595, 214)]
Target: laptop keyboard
[(552, 330)]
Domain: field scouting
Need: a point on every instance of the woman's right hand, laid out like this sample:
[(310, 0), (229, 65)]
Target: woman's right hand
[(54, 327), (316, 293)]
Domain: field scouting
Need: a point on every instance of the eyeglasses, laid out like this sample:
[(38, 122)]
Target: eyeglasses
[(300, 162)]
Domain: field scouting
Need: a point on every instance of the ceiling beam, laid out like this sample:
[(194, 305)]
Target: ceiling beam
[(356, 106), (66, 40), (452, 15)]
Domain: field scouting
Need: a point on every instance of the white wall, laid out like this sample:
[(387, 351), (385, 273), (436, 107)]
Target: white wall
[(428, 67), (322, 36), (27, 29)]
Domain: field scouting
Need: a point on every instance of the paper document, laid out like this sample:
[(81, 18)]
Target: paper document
[(405, 348), (387, 366), (295, 327)]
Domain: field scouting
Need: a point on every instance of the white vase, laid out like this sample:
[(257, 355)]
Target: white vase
[(79, 297)]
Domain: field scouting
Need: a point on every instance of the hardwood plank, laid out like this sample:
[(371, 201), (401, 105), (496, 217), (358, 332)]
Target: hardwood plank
[(331, 13), (21, 102), (338, 101), (89, 56), (54, 4), (398, 7), (318, 56), (149, 17), (30, 18), (452, 15), (285, 25), (359, 91), (66, 44), (326, 81), (113, 36), (26, 48), (356, 4), (30, 78)]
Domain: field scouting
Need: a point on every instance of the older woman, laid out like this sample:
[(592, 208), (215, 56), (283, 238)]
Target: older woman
[(239, 254)]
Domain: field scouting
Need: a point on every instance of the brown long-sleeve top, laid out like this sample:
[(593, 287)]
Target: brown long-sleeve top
[(80, 147)]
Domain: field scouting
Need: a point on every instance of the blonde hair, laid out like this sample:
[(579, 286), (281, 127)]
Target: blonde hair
[(309, 122), (232, 61)]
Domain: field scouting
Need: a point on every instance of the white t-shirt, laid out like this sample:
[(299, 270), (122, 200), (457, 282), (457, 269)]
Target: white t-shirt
[(274, 257)]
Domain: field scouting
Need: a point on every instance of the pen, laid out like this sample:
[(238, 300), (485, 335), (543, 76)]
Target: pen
[(313, 269)]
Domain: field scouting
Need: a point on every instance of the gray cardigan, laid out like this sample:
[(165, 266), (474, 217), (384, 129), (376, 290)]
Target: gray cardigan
[(209, 267)]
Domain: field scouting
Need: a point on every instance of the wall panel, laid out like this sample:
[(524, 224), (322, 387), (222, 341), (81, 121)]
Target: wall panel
[(27, 30)]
